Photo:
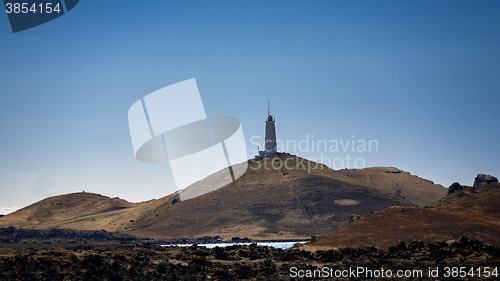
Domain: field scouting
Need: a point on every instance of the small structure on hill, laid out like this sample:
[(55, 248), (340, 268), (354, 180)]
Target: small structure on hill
[(270, 146)]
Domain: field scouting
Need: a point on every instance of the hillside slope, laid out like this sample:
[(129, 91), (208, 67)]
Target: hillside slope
[(470, 211), (415, 190), (270, 201), (73, 210)]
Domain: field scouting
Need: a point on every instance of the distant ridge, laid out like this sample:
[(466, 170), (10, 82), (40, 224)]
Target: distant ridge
[(415, 190), (295, 201)]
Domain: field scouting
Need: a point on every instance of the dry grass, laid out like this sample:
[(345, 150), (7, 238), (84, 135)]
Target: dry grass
[(473, 212), (306, 199)]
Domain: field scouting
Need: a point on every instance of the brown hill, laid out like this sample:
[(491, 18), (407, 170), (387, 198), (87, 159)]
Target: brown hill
[(470, 211), (270, 201), (415, 190), (267, 202), (80, 211), (74, 210)]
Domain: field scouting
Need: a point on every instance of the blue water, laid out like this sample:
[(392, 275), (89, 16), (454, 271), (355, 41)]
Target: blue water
[(279, 245)]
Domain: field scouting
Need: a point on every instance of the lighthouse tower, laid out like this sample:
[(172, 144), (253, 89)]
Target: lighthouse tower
[(270, 143)]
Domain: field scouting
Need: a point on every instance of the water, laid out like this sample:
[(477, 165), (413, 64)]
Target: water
[(279, 245)]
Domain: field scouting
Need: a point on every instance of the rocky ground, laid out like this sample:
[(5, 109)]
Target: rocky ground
[(250, 262)]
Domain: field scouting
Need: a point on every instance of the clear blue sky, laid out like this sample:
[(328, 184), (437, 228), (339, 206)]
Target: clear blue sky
[(420, 77)]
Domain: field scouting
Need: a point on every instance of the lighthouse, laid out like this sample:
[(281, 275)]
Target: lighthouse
[(270, 142)]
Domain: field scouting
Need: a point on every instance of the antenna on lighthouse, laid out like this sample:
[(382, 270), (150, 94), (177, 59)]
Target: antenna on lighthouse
[(268, 107)]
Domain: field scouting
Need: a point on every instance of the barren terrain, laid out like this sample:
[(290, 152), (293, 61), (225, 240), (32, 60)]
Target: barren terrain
[(270, 201), (470, 211)]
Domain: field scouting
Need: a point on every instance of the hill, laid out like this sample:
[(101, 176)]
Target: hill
[(470, 211), (415, 190), (270, 201), (67, 211)]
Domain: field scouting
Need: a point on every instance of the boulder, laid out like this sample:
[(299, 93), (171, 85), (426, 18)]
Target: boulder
[(483, 179), (454, 187)]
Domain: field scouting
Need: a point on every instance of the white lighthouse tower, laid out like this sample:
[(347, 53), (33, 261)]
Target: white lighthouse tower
[(270, 143)]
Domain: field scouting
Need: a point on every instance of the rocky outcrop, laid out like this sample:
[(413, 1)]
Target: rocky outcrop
[(483, 179), (454, 188), (480, 180)]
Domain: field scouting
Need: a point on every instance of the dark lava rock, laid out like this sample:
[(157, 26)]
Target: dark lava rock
[(240, 262), (454, 187), (483, 179), (12, 235), (240, 240)]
